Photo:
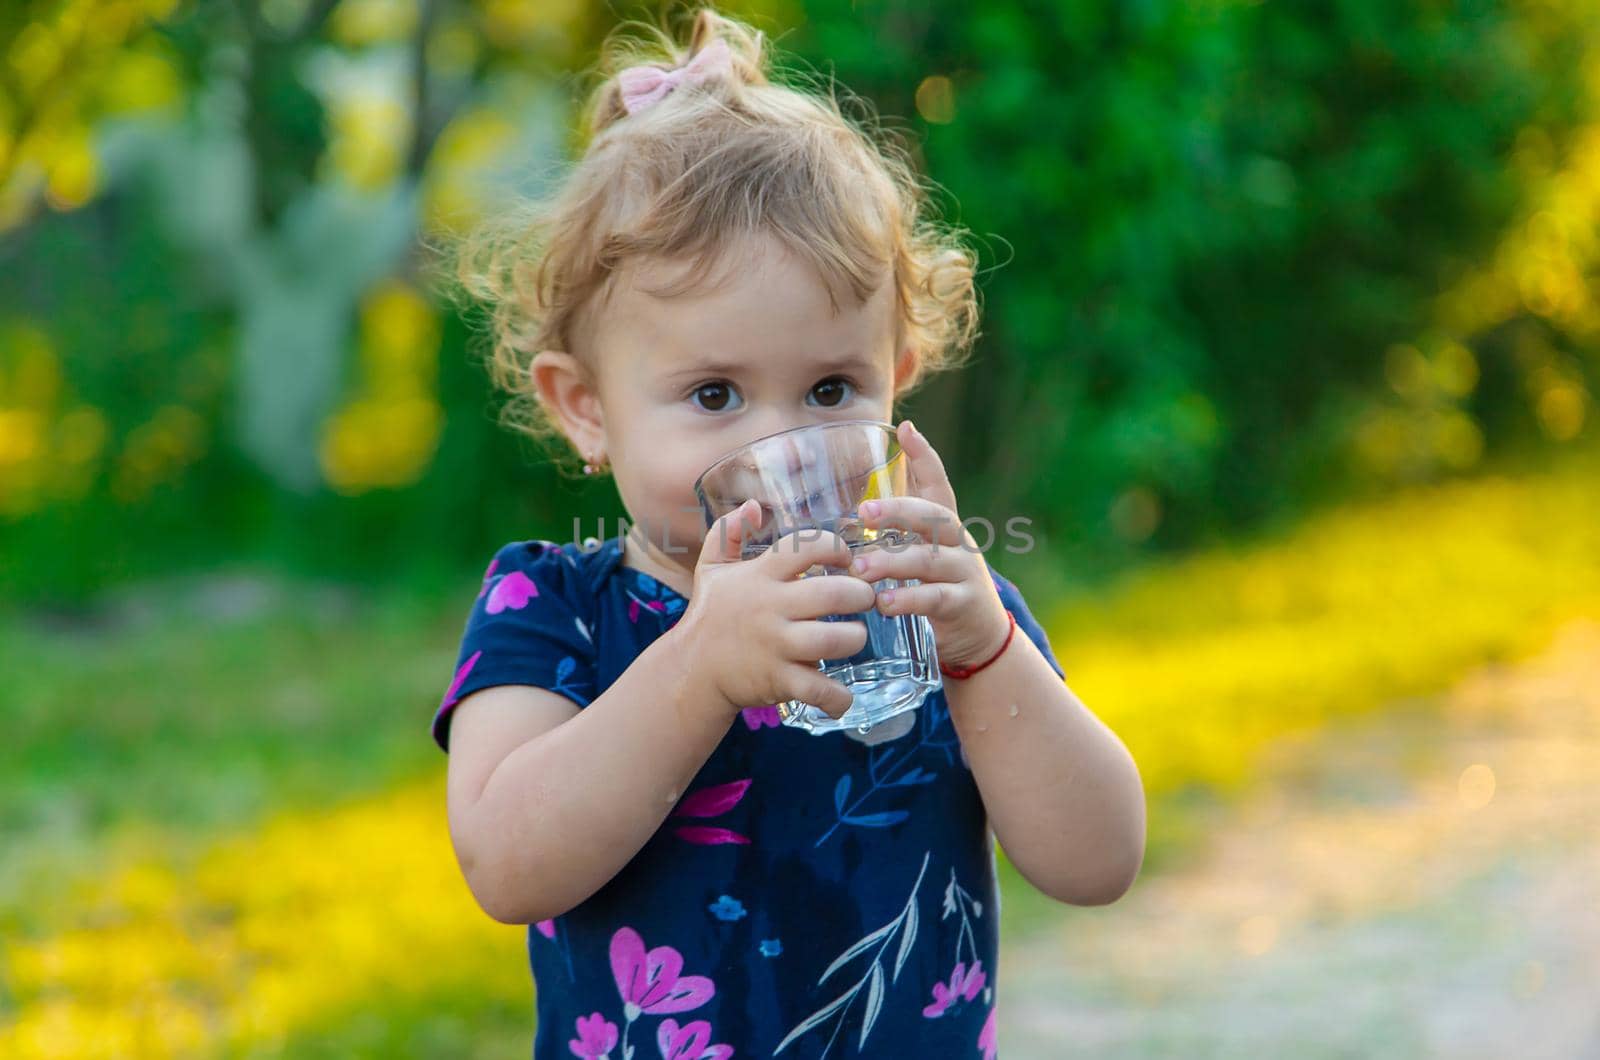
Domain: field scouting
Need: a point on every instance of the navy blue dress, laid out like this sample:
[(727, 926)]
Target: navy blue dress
[(809, 896)]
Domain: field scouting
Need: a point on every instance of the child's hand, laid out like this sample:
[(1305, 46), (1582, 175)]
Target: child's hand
[(957, 594), (755, 627)]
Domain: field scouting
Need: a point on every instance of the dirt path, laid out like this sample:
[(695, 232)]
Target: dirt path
[(1423, 884)]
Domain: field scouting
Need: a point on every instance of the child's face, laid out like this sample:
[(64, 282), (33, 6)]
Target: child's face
[(686, 378)]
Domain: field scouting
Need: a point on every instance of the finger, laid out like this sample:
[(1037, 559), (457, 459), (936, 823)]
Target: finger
[(929, 520), (797, 552), (831, 595), (810, 685), (940, 600), (928, 563), (818, 640), (928, 475), (724, 542)]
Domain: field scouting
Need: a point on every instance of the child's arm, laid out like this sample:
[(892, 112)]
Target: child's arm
[(547, 802), (1062, 793)]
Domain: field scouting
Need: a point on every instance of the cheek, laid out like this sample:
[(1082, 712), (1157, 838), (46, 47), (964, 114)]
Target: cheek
[(667, 478)]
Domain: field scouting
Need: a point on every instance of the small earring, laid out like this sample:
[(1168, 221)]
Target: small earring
[(593, 465)]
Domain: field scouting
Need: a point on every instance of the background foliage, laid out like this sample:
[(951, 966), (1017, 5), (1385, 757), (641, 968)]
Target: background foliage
[(1240, 259)]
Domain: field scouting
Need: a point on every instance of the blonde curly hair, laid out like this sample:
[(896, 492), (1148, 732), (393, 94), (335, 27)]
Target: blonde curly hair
[(689, 176)]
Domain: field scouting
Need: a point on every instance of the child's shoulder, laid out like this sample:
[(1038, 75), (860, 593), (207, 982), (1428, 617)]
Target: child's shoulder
[(532, 623), (573, 570)]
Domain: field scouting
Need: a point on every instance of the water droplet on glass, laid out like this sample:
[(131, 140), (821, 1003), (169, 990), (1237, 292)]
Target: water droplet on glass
[(1014, 710)]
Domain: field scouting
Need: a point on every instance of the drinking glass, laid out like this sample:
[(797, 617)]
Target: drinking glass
[(815, 478)]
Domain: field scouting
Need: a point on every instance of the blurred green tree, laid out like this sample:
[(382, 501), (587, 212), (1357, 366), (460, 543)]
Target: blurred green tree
[(1208, 223), (1237, 257)]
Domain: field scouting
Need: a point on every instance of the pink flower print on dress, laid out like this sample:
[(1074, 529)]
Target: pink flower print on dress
[(654, 597), (649, 982), (987, 1043), (513, 591), (547, 928), (689, 1043), (488, 574), (711, 802), (760, 717), (597, 1036), (461, 676), (633, 608), (963, 984), (706, 836)]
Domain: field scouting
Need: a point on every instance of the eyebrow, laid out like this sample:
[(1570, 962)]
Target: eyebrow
[(848, 363)]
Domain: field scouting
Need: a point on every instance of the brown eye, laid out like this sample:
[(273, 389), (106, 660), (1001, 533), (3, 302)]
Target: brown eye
[(718, 394), (831, 393)]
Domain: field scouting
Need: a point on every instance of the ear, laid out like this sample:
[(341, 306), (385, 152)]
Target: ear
[(904, 365), (568, 392)]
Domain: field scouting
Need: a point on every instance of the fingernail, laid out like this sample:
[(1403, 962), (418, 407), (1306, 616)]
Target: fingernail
[(912, 427), (886, 597), (860, 565), (871, 509)]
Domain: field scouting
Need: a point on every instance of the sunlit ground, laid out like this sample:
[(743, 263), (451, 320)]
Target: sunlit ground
[(234, 843), (1419, 882)]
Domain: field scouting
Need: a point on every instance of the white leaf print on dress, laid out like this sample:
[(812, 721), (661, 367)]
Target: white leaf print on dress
[(906, 923)]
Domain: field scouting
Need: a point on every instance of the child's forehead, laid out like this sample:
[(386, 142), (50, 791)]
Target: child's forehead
[(743, 300), (745, 267)]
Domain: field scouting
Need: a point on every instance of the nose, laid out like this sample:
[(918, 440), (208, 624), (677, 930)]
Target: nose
[(809, 461), (790, 465), (796, 452), (795, 448)]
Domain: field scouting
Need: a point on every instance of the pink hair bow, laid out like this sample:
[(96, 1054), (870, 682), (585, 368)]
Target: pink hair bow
[(645, 86)]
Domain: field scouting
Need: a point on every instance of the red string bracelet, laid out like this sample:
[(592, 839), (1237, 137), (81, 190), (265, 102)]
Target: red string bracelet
[(968, 671)]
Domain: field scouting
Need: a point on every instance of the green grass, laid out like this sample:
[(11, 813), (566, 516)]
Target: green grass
[(184, 726)]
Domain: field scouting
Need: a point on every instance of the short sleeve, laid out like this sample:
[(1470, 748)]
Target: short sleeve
[(530, 625), (1011, 596)]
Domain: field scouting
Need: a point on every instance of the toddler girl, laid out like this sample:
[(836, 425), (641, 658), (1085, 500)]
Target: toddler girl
[(730, 258)]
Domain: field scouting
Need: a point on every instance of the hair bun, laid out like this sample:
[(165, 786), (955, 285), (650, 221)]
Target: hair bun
[(649, 45)]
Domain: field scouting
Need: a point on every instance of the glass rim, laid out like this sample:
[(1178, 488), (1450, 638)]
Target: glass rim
[(725, 457)]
